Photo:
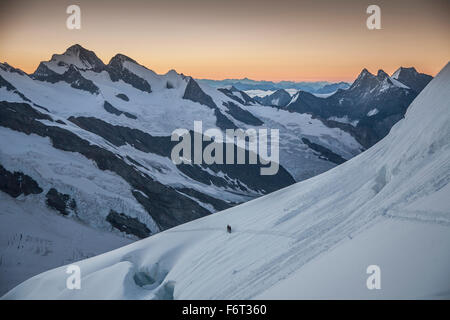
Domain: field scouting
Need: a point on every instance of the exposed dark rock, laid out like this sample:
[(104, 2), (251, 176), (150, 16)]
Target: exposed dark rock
[(120, 135), (41, 107), (333, 87), (17, 183), (127, 224), (109, 108), (413, 79), (6, 67), (129, 115), (368, 92), (6, 84), (240, 177), (222, 121), (218, 204), (122, 96), (194, 93), (60, 201), (44, 73), (87, 57), (77, 81), (118, 72), (279, 98), (10, 87), (60, 121), (247, 173), (167, 207), (242, 115), (72, 76), (325, 153)]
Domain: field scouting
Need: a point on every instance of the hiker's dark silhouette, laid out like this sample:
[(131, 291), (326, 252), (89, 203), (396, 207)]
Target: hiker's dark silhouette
[(228, 228)]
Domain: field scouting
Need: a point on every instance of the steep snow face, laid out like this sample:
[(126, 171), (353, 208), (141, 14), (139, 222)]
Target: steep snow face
[(385, 201)]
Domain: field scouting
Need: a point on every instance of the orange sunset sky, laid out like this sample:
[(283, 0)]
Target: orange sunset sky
[(263, 40)]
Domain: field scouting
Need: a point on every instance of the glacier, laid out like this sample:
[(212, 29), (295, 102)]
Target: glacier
[(387, 206)]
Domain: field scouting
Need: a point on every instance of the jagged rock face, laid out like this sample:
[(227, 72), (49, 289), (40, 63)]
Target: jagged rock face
[(10, 87), (61, 202), (194, 93), (6, 67), (413, 79), (109, 108), (17, 183), (279, 98), (6, 84), (160, 145), (167, 207), (72, 76), (333, 87), (376, 103), (118, 72), (127, 224), (324, 152), (238, 95)]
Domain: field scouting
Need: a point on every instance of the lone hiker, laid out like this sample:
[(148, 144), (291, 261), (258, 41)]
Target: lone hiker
[(228, 228)]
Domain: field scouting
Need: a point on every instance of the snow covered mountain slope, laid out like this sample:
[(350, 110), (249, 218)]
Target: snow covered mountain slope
[(388, 206), (34, 239)]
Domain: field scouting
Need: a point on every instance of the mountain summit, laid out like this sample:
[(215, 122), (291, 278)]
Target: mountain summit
[(79, 57), (388, 207)]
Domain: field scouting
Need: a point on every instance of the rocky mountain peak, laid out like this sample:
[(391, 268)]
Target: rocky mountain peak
[(80, 57), (119, 59)]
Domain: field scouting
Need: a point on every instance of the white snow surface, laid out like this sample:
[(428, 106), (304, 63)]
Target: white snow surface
[(388, 206)]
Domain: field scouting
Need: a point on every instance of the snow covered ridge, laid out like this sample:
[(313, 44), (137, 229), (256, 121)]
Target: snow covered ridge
[(388, 206), (126, 112)]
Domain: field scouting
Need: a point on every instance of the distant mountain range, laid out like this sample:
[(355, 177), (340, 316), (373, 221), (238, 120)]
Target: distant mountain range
[(248, 84)]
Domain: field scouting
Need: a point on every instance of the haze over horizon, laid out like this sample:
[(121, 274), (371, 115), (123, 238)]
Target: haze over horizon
[(288, 40)]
